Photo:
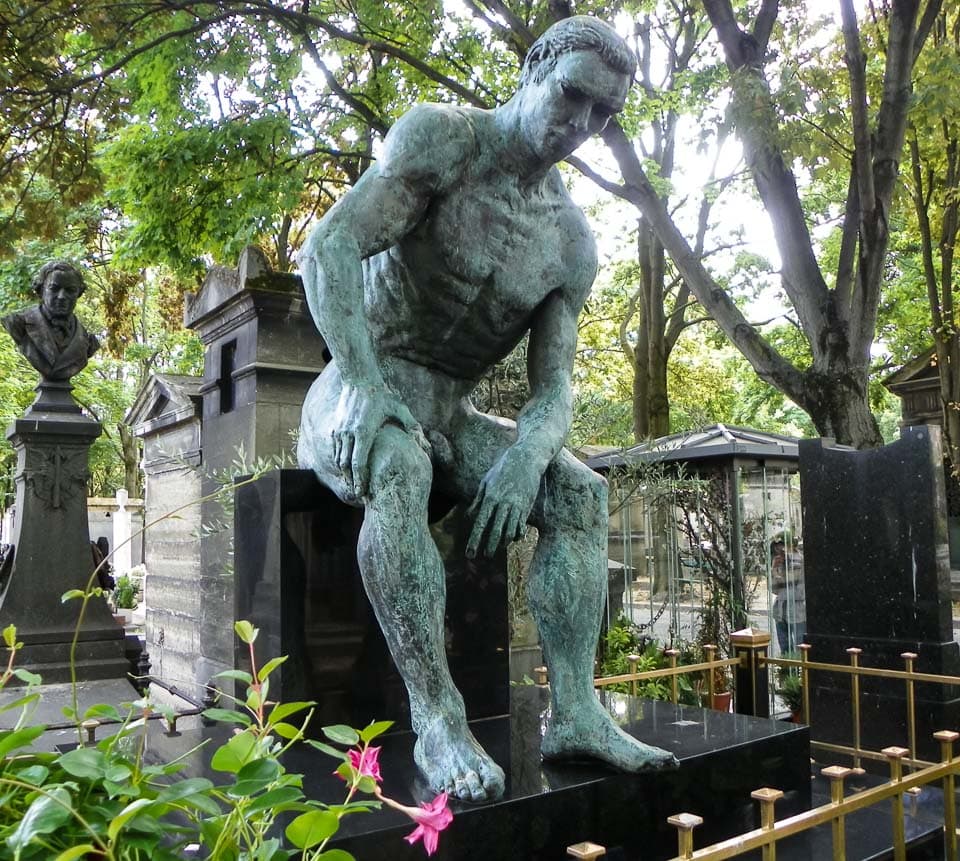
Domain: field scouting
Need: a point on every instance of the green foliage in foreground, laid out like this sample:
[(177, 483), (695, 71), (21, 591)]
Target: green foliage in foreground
[(103, 800)]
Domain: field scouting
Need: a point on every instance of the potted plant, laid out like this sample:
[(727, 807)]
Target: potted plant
[(790, 689), (722, 690), (126, 594)]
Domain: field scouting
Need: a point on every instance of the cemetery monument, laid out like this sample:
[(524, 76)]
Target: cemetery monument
[(459, 241), (51, 551)]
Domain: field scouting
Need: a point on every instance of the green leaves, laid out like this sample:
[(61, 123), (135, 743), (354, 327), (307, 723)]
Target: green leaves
[(342, 734), (49, 810), (369, 733), (84, 762), (246, 632), (104, 800), (233, 755), (310, 829)]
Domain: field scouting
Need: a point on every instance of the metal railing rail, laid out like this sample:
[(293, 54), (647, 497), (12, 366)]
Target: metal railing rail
[(673, 672), (908, 675), (771, 832)]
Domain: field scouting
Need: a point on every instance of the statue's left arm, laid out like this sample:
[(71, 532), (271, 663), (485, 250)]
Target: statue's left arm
[(508, 491)]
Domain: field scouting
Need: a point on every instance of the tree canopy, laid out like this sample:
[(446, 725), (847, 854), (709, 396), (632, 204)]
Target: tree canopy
[(154, 137)]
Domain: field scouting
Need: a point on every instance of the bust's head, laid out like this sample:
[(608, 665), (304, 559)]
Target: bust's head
[(58, 285)]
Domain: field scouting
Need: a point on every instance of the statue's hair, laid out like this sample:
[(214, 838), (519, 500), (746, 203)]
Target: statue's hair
[(578, 33), (40, 279)]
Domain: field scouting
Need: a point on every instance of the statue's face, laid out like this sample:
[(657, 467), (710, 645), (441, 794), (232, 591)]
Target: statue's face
[(573, 102), (60, 293)]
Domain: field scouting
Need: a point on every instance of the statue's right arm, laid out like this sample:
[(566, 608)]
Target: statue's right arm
[(423, 154)]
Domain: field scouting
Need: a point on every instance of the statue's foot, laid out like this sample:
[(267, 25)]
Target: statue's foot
[(453, 762), (589, 731)]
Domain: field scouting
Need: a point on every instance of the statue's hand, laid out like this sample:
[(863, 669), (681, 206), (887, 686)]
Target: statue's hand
[(361, 412), (503, 502)]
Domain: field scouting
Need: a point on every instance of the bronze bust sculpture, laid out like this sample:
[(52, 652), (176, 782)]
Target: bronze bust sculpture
[(49, 335)]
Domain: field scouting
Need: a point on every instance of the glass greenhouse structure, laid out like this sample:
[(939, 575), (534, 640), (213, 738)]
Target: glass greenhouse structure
[(706, 526)]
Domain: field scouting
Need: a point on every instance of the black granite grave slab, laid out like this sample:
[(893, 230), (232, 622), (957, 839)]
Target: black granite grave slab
[(877, 577), (297, 581), (547, 807)]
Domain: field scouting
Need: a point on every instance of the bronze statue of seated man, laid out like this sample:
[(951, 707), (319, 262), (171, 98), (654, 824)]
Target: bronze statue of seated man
[(460, 240)]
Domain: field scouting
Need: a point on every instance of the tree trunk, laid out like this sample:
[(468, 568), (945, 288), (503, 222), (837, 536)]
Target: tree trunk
[(130, 447), (837, 401), (651, 408)]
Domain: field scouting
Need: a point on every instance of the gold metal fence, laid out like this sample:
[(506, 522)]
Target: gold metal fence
[(770, 832), (673, 672), (909, 675)]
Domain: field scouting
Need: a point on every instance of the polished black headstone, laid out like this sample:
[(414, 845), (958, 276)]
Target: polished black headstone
[(297, 581), (547, 807), (877, 577)]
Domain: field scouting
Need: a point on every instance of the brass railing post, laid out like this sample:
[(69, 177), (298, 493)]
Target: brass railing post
[(895, 757), (946, 738), (586, 850), (674, 680), (90, 728), (854, 654), (835, 774), (541, 676), (710, 653), (908, 659), (767, 798), (685, 823), (805, 680), (752, 689), (633, 660)]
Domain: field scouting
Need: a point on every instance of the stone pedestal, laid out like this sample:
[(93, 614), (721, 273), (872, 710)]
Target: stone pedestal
[(548, 806), (877, 577), (297, 580), (52, 545)]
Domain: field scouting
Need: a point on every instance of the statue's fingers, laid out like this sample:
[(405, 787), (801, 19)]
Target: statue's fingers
[(495, 535), (516, 527), (477, 501), (479, 525), (360, 465), (345, 461), (335, 437), (405, 417)]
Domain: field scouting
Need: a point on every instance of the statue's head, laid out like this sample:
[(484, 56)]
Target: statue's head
[(58, 285), (577, 33), (574, 78)]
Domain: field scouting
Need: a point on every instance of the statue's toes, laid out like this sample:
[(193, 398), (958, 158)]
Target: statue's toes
[(493, 779)]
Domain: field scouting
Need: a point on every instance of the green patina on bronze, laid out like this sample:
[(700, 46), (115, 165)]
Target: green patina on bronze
[(456, 243)]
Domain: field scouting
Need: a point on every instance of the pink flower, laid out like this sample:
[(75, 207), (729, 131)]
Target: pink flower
[(366, 762), (431, 819)]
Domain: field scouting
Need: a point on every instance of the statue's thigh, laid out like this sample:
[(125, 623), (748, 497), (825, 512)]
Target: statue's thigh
[(571, 494), (315, 443)]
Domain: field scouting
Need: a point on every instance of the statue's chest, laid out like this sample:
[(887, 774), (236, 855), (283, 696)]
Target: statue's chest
[(496, 238)]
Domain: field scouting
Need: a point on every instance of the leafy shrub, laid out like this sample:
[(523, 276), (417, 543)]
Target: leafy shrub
[(126, 593), (103, 800)]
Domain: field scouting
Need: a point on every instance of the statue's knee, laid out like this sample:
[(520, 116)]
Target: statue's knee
[(397, 463), (579, 497)]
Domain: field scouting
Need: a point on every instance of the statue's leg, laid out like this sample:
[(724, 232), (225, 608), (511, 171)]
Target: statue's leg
[(565, 587), (566, 592), (405, 581)]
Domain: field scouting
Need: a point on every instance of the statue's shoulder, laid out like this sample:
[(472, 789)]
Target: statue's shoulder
[(431, 144), (16, 322)]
